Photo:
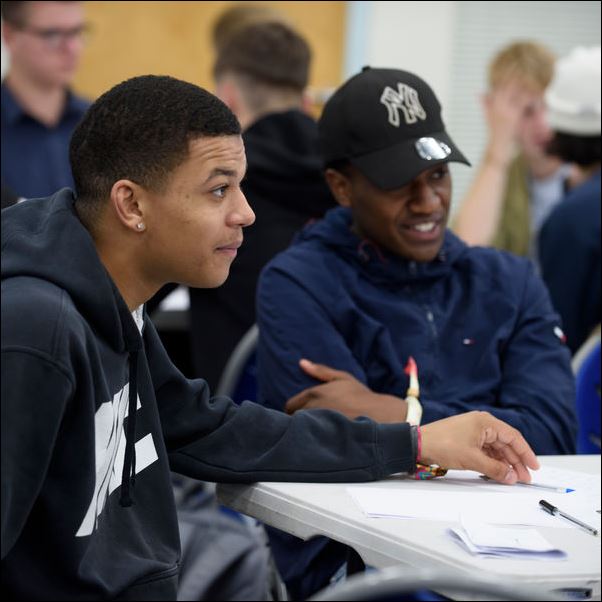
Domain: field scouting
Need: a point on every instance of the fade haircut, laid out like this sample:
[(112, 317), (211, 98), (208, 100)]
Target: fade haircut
[(530, 62), (140, 130), (266, 58)]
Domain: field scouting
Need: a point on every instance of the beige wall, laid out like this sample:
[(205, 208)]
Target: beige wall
[(174, 38)]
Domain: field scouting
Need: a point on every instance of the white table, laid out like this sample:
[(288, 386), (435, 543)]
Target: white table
[(309, 509)]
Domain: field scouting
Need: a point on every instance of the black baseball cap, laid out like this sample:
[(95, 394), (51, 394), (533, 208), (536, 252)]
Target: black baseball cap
[(387, 123)]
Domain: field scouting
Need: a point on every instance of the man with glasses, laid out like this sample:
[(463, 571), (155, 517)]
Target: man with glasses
[(45, 41)]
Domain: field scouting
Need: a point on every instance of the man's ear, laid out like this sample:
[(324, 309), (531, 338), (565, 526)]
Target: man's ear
[(339, 185), (128, 204)]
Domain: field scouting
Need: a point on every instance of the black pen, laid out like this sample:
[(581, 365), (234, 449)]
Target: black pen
[(557, 512)]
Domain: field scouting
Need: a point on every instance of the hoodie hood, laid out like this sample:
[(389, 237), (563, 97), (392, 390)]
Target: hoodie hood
[(284, 164), (39, 228), (375, 262)]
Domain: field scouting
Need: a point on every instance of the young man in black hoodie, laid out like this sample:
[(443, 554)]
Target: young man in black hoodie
[(261, 73), (90, 400)]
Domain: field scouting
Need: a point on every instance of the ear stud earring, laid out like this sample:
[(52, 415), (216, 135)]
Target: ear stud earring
[(140, 226)]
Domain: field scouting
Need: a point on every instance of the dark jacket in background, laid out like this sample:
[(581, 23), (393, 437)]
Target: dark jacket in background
[(569, 249), (285, 187), (82, 388)]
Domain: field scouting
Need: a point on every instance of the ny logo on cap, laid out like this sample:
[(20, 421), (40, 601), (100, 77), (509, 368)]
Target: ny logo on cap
[(404, 99)]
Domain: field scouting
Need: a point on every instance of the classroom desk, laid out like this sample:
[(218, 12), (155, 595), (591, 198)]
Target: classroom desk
[(308, 509)]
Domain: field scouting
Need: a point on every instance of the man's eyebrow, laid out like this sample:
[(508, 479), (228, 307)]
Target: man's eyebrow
[(219, 171)]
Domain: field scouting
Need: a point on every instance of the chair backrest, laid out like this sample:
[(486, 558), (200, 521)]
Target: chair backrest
[(587, 399), (399, 580), (239, 378)]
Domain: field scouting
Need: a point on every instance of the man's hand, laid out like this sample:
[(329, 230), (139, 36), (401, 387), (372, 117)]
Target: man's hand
[(342, 392), (504, 109), (478, 441)]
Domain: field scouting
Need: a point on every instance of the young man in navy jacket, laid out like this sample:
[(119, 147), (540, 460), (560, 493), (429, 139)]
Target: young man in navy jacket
[(94, 414), (381, 279)]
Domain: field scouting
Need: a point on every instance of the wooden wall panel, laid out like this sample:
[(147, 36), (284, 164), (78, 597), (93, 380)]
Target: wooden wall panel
[(174, 38)]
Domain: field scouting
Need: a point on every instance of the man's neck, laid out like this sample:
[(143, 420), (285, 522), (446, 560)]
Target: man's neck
[(45, 103)]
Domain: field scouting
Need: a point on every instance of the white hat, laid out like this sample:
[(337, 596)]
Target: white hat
[(573, 97)]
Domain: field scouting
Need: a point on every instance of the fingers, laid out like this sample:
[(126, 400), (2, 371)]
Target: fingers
[(497, 470), (297, 402), (322, 372), (514, 445)]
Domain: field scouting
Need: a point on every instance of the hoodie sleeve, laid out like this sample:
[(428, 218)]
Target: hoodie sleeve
[(35, 391), (537, 393), (214, 439)]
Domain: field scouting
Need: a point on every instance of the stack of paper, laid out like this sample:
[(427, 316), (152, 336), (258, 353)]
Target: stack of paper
[(489, 541)]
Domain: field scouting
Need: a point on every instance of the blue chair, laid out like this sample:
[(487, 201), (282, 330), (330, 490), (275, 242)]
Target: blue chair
[(239, 378), (586, 366)]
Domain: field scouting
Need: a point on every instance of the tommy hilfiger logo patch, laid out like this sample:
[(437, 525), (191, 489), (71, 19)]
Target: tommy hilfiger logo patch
[(405, 100)]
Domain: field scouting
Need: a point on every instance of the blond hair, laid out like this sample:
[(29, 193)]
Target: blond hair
[(531, 62)]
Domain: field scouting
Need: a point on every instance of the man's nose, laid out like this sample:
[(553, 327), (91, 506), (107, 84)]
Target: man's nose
[(424, 198)]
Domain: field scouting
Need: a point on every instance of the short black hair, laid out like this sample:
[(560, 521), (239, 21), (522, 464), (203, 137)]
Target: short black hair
[(582, 150), (141, 130)]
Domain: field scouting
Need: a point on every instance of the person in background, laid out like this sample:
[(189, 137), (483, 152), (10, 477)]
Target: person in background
[(39, 111), (381, 280), (517, 183), (569, 244), (261, 73), (94, 414)]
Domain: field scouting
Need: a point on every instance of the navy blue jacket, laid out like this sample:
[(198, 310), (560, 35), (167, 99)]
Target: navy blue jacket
[(478, 322), (569, 255), (81, 389), (35, 158)]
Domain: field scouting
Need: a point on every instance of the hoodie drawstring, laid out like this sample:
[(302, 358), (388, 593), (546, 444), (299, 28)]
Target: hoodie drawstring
[(128, 476)]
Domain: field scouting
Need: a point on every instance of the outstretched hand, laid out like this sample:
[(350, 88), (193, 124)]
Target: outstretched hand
[(344, 393), (478, 441)]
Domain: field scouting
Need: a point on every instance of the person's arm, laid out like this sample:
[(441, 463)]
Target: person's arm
[(295, 322), (211, 438), (535, 395), (479, 213), (214, 439), (35, 392)]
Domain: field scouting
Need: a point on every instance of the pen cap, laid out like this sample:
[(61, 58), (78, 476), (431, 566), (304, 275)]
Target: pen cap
[(547, 506)]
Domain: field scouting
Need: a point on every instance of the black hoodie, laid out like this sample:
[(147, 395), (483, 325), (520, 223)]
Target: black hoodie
[(74, 367)]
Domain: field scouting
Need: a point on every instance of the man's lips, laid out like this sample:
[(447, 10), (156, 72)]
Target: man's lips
[(231, 246)]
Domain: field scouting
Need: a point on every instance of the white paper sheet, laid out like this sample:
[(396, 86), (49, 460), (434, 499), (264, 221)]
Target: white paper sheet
[(491, 542), (465, 493)]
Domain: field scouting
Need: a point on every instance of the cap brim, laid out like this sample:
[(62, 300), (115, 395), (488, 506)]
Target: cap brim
[(396, 166)]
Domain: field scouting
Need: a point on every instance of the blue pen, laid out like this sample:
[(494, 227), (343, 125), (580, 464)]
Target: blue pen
[(536, 485)]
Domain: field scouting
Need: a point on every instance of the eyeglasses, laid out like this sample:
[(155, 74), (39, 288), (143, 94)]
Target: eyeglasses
[(55, 38)]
